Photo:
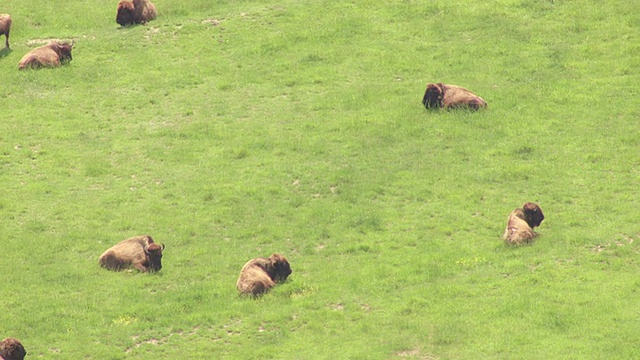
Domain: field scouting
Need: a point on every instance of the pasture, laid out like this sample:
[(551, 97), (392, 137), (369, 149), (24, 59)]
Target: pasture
[(229, 130)]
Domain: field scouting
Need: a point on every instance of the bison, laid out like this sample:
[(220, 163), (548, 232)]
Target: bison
[(521, 223), (450, 96), (138, 252), (261, 274), (5, 28), (51, 55), (12, 349), (135, 12)]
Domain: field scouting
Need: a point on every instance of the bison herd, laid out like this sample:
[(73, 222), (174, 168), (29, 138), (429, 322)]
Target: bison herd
[(129, 12), (258, 275), (57, 53), (142, 253)]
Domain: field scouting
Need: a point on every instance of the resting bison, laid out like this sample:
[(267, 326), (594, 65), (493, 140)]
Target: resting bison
[(5, 27), (260, 274), (50, 55), (12, 349), (135, 12), (450, 96), (521, 223), (139, 252)]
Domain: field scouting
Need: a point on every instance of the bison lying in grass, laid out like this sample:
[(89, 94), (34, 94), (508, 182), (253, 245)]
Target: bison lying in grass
[(138, 252), (51, 55), (521, 223), (5, 27), (261, 274), (12, 349), (450, 96), (135, 12)]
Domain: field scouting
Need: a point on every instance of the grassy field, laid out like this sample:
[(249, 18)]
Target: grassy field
[(229, 130)]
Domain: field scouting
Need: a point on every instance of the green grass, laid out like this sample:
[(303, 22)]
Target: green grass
[(234, 129)]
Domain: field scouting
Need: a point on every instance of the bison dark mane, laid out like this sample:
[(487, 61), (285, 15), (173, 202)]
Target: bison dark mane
[(135, 12), (521, 222), (12, 349), (125, 13), (433, 96), (532, 214)]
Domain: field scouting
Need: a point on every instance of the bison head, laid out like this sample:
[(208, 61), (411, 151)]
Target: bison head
[(532, 214), (153, 252), (63, 50), (125, 13), (12, 349), (278, 268), (433, 96)]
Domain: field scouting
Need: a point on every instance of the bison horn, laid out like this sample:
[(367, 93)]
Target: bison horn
[(161, 246)]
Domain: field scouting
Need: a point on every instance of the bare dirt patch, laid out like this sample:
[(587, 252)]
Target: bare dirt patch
[(415, 354), (212, 22), (40, 42), (45, 41)]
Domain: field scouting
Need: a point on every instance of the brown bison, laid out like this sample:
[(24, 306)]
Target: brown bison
[(12, 349), (261, 274), (5, 27), (138, 252), (521, 223), (135, 12), (450, 96), (50, 55)]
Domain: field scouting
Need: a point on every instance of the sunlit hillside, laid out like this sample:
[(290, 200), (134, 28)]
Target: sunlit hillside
[(230, 130)]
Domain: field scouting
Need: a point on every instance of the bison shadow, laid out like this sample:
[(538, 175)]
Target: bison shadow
[(5, 52), (128, 26)]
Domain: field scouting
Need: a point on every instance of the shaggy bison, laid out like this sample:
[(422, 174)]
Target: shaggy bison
[(261, 274), (12, 349), (50, 55), (5, 27), (450, 96), (521, 223), (135, 12), (138, 252)]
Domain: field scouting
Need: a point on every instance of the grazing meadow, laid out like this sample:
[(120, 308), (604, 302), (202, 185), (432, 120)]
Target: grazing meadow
[(229, 130)]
